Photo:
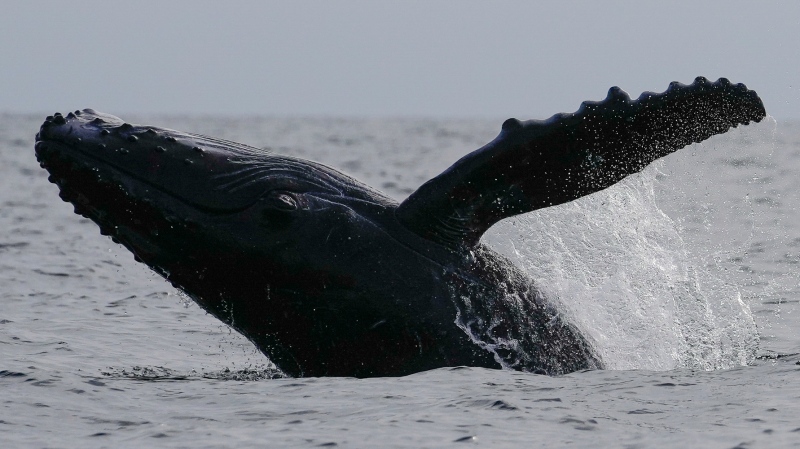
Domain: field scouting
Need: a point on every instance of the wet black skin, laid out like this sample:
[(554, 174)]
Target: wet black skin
[(329, 277)]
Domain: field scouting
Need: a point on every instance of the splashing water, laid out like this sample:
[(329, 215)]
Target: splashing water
[(626, 274)]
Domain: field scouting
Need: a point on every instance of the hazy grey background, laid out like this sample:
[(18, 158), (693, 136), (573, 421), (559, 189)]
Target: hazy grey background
[(362, 58)]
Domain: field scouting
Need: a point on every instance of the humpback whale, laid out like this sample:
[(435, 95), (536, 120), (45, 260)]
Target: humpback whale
[(329, 277)]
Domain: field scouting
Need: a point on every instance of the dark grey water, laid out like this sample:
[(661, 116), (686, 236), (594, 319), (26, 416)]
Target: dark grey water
[(685, 278)]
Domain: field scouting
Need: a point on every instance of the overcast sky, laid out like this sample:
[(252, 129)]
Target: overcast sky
[(526, 59)]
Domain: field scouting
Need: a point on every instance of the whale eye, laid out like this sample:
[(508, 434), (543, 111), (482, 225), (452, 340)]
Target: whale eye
[(279, 211), (284, 201)]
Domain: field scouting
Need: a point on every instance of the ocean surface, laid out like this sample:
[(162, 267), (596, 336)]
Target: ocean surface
[(684, 277)]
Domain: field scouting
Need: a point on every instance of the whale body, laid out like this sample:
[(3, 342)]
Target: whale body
[(329, 277)]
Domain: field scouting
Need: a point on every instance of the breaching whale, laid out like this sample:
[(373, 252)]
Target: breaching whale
[(329, 277)]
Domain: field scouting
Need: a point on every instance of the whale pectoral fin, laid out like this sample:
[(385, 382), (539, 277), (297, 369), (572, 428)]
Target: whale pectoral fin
[(537, 164)]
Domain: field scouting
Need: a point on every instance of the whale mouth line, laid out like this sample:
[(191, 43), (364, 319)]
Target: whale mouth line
[(72, 155)]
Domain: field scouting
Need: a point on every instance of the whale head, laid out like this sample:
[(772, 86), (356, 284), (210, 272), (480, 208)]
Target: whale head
[(212, 216), (137, 182)]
